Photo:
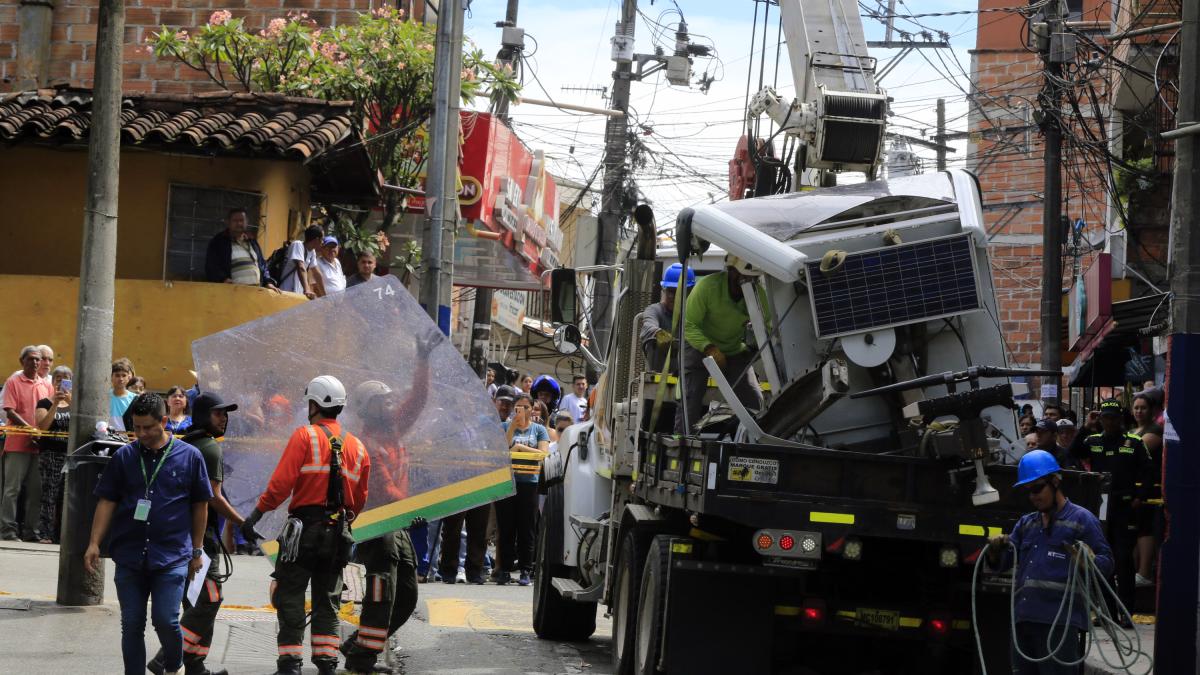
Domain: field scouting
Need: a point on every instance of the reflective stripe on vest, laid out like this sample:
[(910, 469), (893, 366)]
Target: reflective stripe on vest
[(316, 466)]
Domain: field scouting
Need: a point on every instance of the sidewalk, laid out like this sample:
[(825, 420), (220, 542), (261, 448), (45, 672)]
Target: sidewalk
[(39, 636), (1104, 649)]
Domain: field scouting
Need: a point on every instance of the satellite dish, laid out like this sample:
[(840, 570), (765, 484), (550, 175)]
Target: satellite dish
[(870, 349)]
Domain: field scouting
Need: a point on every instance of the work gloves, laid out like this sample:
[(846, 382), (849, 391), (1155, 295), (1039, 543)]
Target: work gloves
[(663, 337), (250, 534), (716, 354)]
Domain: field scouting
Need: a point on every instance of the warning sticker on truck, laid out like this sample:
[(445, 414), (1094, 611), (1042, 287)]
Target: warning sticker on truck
[(754, 470)]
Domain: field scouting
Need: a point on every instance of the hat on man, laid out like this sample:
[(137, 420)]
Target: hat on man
[(329, 241), (505, 393), (1046, 424), (205, 403), (1066, 423), (563, 414), (1110, 407)]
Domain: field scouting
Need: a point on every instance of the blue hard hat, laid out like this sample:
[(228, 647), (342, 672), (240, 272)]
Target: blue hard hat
[(671, 276), (1034, 465)]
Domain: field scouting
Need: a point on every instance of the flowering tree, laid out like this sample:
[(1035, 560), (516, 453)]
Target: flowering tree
[(382, 63)]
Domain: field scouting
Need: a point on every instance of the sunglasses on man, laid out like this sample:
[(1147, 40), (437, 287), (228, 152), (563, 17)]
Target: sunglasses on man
[(1037, 486)]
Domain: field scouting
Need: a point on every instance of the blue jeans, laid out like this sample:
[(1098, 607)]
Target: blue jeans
[(1032, 638), (164, 589)]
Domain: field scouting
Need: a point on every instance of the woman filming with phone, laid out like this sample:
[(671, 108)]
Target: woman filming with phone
[(53, 415)]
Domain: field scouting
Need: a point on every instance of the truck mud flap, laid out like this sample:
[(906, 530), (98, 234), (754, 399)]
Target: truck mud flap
[(717, 622)]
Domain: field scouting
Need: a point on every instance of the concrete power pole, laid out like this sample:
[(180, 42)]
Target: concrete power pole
[(481, 319), (97, 291), (612, 204), (1051, 97), (441, 198), (1178, 588)]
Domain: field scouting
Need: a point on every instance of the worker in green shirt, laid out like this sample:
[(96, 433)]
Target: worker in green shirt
[(715, 320)]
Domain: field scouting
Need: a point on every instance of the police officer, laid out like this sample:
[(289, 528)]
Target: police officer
[(210, 417), (325, 471), (1046, 541), (1123, 456)]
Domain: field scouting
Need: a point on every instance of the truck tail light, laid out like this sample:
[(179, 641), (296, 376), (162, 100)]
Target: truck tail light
[(939, 626), (853, 549), (948, 557), (787, 542), (765, 541), (813, 612)]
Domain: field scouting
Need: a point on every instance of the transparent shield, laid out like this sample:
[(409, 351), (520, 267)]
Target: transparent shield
[(432, 433)]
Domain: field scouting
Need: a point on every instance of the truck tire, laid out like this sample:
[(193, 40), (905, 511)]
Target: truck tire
[(648, 642), (626, 587), (555, 617)]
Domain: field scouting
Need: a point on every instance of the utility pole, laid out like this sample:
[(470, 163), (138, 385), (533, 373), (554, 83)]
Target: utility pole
[(612, 204), (441, 201), (97, 291), (511, 44), (941, 134), (1178, 589), (1054, 55)]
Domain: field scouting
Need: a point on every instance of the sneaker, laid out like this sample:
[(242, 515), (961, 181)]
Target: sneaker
[(503, 579), (1143, 582), (461, 577), (524, 579)]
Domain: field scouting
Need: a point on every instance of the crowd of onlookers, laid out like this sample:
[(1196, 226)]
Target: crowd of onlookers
[(495, 541), (311, 266), (1125, 441), (37, 402)]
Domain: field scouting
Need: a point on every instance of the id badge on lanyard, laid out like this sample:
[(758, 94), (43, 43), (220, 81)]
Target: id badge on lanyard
[(141, 512)]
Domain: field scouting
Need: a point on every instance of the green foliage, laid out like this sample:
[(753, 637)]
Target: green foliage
[(382, 64)]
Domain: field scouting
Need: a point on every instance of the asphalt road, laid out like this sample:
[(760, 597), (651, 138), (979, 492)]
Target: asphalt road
[(460, 629)]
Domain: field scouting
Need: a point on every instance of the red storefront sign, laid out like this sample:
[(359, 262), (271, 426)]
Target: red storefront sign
[(507, 190)]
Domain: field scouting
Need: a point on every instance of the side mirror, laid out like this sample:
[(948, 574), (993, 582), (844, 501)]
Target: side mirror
[(564, 301), (567, 339)]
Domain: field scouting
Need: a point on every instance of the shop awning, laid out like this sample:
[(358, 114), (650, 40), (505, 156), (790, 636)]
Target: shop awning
[(1102, 362)]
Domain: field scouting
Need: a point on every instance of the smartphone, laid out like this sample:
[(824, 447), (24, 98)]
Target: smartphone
[(65, 385)]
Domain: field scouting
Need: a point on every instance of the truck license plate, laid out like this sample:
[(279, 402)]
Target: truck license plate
[(754, 470), (879, 618)]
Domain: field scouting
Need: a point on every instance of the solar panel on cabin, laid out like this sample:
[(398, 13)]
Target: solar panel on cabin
[(893, 286)]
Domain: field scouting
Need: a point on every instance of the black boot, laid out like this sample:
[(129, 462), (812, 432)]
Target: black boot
[(156, 664), (289, 668), (326, 668)]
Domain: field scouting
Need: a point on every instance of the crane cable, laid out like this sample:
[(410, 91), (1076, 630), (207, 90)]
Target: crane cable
[(1087, 581)]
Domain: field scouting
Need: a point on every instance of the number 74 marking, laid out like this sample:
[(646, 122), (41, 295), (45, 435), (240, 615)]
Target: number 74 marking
[(386, 290)]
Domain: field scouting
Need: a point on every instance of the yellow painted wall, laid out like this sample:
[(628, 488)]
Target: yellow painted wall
[(42, 192), (155, 323)]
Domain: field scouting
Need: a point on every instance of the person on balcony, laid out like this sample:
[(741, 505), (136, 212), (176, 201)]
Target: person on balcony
[(327, 277), (234, 257), (365, 263)]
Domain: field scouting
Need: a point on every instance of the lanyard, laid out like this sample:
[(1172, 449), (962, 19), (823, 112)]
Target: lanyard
[(142, 463)]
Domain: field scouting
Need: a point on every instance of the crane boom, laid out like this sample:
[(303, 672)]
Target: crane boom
[(838, 112)]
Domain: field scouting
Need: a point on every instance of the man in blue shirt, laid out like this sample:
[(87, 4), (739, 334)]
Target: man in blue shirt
[(1048, 542), (153, 505)]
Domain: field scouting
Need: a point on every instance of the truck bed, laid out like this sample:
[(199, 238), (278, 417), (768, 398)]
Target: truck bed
[(835, 491)]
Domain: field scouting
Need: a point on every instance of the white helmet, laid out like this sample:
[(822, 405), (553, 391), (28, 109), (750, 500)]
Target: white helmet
[(742, 266), (368, 390), (326, 391)]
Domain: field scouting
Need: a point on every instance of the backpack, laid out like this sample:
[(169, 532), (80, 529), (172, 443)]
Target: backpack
[(277, 261)]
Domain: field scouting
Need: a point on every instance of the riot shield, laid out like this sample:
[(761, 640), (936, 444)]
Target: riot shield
[(432, 433)]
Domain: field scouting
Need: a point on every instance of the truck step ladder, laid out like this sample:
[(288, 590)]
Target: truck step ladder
[(572, 590)]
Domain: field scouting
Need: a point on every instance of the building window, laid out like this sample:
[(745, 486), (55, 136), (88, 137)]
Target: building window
[(194, 215)]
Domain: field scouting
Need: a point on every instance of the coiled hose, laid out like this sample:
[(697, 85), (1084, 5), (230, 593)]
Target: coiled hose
[(1085, 581)]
